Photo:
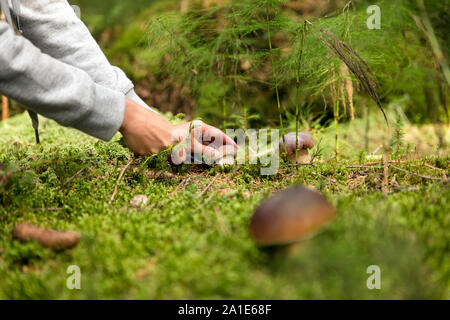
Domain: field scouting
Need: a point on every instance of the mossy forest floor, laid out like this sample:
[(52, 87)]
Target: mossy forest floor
[(191, 240)]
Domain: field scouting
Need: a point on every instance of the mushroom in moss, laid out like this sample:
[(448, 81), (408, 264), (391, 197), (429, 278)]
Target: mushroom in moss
[(139, 201), (292, 215), (300, 140)]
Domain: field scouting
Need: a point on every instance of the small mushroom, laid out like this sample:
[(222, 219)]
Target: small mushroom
[(52, 239), (305, 142), (290, 216), (246, 65), (227, 156), (139, 201)]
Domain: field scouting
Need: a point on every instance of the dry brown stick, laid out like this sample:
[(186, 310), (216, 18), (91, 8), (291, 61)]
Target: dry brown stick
[(213, 180), (369, 165), (207, 187), (120, 179), (74, 176), (182, 184), (71, 178), (433, 167), (416, 174), (207, 200), (364, 166), (438, 169), (377, 149)]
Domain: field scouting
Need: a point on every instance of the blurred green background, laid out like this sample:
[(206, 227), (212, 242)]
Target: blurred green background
[(399, 54)]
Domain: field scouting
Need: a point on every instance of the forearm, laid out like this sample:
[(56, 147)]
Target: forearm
[(57, 90), (53, 26)]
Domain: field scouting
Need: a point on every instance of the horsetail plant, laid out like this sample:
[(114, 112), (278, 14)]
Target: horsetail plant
[(270, 5), (297, 93)]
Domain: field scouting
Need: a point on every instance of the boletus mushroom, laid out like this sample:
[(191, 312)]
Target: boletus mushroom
[(292, 215), (302, 141), (52, 239)]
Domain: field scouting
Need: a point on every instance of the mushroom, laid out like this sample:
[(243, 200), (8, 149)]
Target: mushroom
[(227, 156), (139, 201), (305, 142), (292, 215), (52, 239)]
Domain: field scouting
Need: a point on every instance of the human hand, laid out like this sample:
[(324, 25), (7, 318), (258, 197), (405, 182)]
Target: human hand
[(146, 132), (200, 139)]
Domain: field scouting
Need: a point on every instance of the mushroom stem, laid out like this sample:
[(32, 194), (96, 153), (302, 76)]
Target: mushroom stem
[(302, 156), (297, 145)]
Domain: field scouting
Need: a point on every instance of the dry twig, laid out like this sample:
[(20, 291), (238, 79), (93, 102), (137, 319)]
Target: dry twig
[(182, 184), (70, 179), (120, 179), (207, 187), (416, 174)]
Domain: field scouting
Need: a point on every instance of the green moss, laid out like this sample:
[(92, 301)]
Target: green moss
[(182, 246)]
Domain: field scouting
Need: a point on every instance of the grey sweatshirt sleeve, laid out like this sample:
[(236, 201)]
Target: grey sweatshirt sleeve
[(53, 27), (57, 90)]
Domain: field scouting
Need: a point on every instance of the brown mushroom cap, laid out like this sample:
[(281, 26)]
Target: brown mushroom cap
[(305, 141), (290, 216), (52, 239)]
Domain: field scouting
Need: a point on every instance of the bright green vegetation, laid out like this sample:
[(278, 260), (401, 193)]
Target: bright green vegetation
[(185, 246), (215, 62), (246, 64)]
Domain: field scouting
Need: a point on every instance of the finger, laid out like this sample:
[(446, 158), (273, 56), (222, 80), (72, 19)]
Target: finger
[(178, 155), (220, 136), (229, 142)]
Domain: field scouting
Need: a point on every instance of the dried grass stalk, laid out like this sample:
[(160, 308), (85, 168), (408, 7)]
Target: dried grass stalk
[(347, 85), (355, 63)]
